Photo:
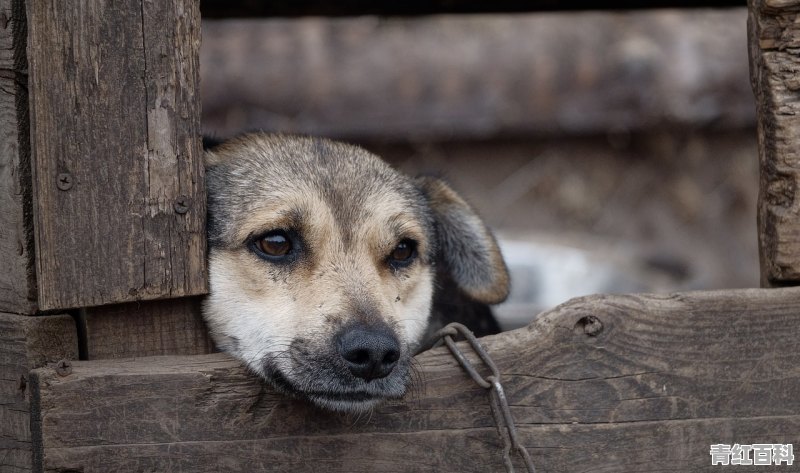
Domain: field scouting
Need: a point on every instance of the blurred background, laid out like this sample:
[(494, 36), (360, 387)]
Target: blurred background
[(611, 152)]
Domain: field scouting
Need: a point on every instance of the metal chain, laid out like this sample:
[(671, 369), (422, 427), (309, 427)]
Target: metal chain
[(497, 396)]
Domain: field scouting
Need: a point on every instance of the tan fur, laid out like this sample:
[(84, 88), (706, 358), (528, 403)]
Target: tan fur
[(349, 210)]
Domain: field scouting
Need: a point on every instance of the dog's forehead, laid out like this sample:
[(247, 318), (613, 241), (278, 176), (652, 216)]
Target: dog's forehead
[(262, 172)]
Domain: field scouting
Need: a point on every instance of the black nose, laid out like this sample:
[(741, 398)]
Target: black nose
[(369, 353)]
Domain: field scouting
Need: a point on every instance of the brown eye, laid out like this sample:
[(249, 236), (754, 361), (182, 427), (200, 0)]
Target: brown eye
[(403, 253), (274, 244)]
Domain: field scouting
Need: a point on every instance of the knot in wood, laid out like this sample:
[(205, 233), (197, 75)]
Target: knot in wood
[(589, 325)]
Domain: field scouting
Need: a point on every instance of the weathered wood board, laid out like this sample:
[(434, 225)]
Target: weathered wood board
[(118, 176), (775, 73), (150, 328), (649, 386), (465, 77), (18, 275), (26, 343)]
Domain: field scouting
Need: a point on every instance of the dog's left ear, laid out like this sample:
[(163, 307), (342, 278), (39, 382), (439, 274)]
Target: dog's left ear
[(466, 246)]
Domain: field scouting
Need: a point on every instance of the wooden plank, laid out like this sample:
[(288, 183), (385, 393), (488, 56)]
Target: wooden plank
[(18, 278), (118, 176), (653, 379), (613, 448), (774, 37), (168, 327), (465, 77), (26, 343), (248, 8)]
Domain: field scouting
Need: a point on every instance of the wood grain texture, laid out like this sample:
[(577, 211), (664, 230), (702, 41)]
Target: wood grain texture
[(665, 377), (26, 343), (120, 198), (477, 77), (18, 277), (152, 328), (774, 37)]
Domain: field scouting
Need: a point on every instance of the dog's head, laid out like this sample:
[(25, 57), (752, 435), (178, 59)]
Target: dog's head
[(322, 264)]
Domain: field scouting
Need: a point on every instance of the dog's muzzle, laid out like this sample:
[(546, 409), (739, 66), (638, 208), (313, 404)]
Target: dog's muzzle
[(369, 352), (360, 365)]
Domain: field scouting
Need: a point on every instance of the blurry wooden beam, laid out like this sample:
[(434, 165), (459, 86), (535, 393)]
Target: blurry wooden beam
[(286, 8), (451, 77)]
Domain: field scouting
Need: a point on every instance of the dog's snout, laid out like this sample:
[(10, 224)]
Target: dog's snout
[(369, 353)]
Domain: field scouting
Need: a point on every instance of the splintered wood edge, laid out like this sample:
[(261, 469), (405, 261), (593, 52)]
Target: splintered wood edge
[(773, 36)]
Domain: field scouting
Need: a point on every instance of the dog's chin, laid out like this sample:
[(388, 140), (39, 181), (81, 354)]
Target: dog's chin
[(348, 403), (338, 398)]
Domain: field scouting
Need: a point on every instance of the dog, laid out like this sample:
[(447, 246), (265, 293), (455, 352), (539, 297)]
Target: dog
[(328, 268)]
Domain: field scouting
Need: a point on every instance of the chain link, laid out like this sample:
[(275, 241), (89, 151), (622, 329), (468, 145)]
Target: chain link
[(497, 396)]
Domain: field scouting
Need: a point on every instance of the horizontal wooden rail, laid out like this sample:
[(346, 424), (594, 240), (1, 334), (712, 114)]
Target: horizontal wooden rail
[(650, 383), (446, 78)]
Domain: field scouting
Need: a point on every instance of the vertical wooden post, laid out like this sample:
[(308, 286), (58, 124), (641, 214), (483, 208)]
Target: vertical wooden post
[(117, 162), (774, 43), (17, 273)]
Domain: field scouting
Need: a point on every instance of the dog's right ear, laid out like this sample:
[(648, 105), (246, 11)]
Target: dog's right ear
[(466, 246)]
